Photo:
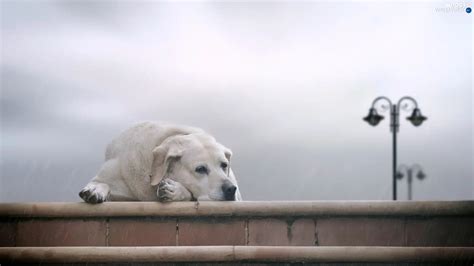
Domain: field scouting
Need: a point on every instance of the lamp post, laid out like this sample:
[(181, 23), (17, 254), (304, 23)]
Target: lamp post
[(373, 118), (410, 171)]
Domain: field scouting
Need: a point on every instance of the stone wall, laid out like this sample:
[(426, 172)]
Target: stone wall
[(285, 224)]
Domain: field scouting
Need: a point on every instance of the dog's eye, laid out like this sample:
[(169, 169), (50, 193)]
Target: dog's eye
[(201, 169), (224, 166)]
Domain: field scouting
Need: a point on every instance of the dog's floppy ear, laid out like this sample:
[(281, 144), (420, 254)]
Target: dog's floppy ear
[(228, 153), (163, 158)]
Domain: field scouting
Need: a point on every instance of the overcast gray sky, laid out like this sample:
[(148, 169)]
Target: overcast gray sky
[(283, 84)]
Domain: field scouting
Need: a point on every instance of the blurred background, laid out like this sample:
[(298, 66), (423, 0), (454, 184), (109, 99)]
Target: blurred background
[(283, 84)]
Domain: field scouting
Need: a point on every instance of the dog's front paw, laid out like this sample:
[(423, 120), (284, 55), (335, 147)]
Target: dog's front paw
[(170, 190), (94, 193)]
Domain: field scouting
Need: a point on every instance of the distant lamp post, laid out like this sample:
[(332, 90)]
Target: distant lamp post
[(410, 172), (373, 118)]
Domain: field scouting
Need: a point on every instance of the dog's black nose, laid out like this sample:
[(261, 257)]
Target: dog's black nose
[(229, 191)]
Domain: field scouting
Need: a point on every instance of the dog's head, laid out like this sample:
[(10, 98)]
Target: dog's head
[(199, 163)]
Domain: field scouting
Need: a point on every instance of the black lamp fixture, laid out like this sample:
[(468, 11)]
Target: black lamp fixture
[(374, 118), (416, 118), (409, 172)]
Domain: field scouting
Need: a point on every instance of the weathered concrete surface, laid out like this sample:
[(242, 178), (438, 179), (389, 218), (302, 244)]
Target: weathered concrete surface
[(430, 224), (246, 208), (235, 254)]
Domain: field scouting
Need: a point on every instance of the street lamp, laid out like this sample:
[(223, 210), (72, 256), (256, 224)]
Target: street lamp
[(410, 171), (373, 118)]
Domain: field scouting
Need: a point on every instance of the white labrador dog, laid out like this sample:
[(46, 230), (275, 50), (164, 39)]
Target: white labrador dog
[(152, 161)]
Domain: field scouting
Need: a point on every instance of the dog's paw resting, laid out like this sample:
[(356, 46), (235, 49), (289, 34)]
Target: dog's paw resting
[(95, 193), (170, 190)]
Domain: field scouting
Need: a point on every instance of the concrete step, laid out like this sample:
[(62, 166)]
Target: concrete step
[(352, 223), (262, 255), (340, 232)]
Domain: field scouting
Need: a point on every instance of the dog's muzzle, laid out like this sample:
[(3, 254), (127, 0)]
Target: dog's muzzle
[(229, 191)]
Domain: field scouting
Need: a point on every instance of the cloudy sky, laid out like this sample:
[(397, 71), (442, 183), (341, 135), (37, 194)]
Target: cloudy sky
[(283, 84)]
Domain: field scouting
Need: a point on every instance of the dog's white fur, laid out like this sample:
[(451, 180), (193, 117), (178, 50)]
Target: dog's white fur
[(152, 161)]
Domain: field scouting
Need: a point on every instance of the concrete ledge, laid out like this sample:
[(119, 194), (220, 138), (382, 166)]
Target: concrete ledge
[(248, 208), (234, 253), (334, 223)]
